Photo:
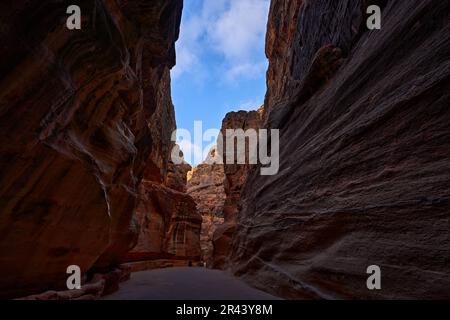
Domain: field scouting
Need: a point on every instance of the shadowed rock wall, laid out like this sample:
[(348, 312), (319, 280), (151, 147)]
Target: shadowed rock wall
[(364, 154), (83, 113)]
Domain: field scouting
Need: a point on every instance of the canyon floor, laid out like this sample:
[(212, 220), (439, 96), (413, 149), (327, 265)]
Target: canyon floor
[(186, 284)]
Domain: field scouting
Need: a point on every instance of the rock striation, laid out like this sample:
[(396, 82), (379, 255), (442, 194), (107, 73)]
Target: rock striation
[(168, 219), (235, 177), (364, 153), (205, 186), (84, 115)]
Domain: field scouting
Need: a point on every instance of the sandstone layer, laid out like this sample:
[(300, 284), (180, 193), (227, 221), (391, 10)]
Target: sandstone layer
[(83, 114), (364, 154), (168, 219), (205, 185), (235, 177)]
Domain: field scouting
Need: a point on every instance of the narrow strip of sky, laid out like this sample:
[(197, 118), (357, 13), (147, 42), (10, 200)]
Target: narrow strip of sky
[(221, 63)]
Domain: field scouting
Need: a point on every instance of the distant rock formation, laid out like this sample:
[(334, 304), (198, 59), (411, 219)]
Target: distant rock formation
[(235, 177), (176, 177), (364, 154), (167, 217), (205, 185), (84, 115)]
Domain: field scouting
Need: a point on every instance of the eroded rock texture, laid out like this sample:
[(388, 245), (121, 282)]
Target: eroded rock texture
[(235, 177), (206, 187), (83, 114), (176, 177), (364, 154), (168, 219)]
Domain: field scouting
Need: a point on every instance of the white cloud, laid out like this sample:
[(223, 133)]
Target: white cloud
[(186, 60), (250, 105), (241, 29), (234, 29), (188, 46), (248, 70)]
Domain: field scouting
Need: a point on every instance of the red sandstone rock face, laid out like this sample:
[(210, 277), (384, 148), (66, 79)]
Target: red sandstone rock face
[(82, 114), (364, 155), (279, 49), (177, 176), (168, 218), (235, 177), (205, 186)]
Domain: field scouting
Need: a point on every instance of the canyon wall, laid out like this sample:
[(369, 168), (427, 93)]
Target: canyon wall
[(235, 177), (84, 115), (205, 185), (364, 154), (168, 219)]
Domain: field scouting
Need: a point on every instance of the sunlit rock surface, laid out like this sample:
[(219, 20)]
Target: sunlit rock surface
[(168, 219), (206, 188), (364, 154)]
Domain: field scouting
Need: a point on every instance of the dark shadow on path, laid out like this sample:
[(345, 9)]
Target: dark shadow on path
[(186, 284)]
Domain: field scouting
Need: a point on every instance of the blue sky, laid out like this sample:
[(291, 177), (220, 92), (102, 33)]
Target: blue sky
[(221, 63)]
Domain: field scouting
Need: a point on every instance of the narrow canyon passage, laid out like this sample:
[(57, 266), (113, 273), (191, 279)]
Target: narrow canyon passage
[(97, 201), (186, 284)]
